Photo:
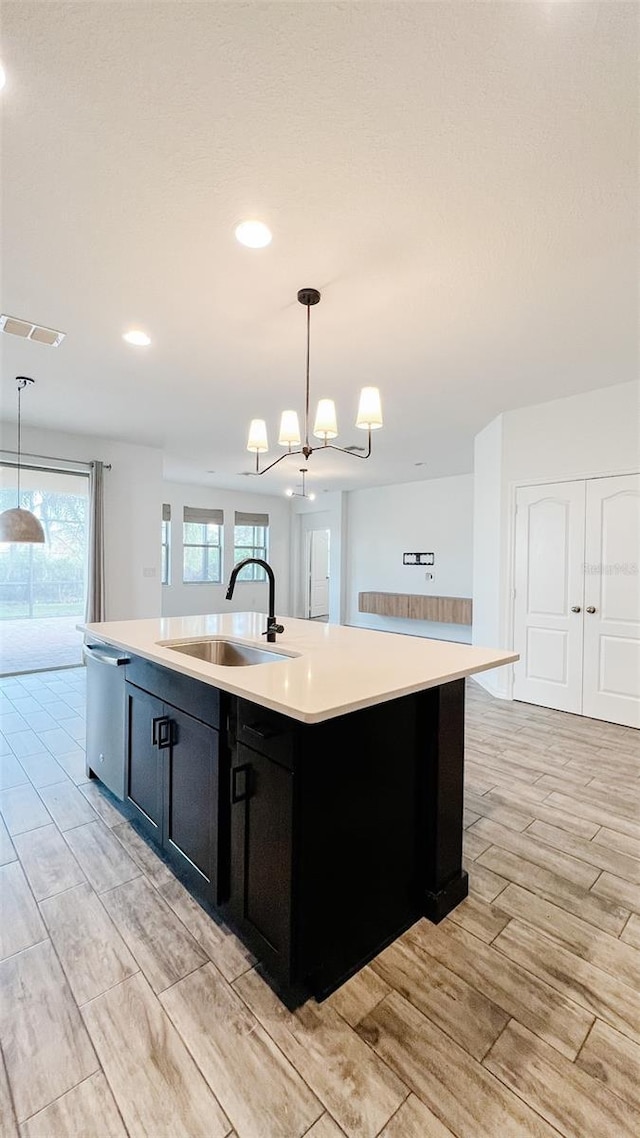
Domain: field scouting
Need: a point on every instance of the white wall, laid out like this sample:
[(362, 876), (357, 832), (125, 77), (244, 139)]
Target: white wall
[(180, 599), (386, 521), (488, 585), (133, 499), (582, 436)]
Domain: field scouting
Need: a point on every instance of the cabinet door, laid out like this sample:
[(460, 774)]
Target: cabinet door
[(261, 838), (146, 730), (191, 833)]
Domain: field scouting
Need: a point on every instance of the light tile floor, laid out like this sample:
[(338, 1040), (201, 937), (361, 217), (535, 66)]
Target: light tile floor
[(126, 1009)]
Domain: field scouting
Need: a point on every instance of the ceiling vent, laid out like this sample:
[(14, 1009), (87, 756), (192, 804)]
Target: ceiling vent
[(28, 331)]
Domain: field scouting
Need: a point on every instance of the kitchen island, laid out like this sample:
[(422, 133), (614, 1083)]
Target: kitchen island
[(315, 799)]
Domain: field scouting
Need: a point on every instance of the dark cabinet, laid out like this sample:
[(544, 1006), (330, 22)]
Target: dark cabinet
[(173, 785), (145, 760), (319, 842), (191, 795), (261, 855)]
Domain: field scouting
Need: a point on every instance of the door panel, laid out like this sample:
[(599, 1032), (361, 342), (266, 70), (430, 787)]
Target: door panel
[(261, 872), (612, 632), (191, 823), (319, 573), (549, 583), (144, 759)]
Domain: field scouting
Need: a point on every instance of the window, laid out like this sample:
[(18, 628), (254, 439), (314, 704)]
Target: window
[(202, 541), (166, 546), (251, 539)]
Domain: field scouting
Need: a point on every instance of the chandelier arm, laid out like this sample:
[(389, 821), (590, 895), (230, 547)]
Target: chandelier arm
[(276, 461), (343, 450)]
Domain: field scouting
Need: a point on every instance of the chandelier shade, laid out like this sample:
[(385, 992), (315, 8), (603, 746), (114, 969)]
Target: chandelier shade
[(289, 430), (257, 440), (325, 426), (369, 409)]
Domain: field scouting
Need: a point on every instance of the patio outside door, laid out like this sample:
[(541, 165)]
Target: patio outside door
[(42, 587)]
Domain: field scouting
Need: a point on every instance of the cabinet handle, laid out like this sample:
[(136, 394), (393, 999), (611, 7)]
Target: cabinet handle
[(161, 732), (261, 732), (575, 608), (241, 793), (591, 608)]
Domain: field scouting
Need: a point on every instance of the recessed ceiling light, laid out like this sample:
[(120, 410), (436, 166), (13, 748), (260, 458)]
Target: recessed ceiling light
[(3, 77), (137, 338), (253, 234)]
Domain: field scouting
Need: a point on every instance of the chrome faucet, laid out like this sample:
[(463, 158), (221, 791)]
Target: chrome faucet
[(272, 624)]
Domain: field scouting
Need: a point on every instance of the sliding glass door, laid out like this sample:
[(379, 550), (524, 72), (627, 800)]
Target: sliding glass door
[(43, 587)]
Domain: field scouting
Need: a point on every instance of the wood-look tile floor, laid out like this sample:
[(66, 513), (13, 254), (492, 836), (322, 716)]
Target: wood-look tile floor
[(126, 1010)]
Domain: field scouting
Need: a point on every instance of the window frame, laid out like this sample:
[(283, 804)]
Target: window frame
[(255, 573), (206, 545), (165, 555)]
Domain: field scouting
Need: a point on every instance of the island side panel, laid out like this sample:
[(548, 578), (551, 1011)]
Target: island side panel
[(355, 865), (441, 797)]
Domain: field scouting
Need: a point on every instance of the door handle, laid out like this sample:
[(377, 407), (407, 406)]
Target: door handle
[(240, 793), (575, 608), (591, 608), (161, 732), (261, 732)]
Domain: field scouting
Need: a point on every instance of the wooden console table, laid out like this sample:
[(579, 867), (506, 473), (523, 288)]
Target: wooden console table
[(416, 606)]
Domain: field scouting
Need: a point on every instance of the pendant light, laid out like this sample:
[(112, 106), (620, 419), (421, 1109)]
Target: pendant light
[(19, 525), (301, 493), (325, 426)]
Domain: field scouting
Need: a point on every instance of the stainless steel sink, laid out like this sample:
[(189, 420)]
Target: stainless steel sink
[(226, 652)]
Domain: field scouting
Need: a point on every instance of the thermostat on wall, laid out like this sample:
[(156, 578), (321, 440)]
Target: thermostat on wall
[(418, 559)]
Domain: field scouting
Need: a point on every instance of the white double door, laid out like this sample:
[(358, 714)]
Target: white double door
[(577, 597)]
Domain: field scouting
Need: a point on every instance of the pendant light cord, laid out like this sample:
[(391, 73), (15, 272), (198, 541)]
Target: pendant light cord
[(306, 408), (22, 381), (20, 386)]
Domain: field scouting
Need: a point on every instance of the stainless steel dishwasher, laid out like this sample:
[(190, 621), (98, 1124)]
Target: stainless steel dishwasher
[(106, 671)]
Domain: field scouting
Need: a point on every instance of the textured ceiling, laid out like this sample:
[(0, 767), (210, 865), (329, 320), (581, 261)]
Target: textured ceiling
[(459, 179)]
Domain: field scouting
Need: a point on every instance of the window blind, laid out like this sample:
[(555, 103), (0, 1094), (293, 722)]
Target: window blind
[(166, 512), (203, 516), (246, 519)]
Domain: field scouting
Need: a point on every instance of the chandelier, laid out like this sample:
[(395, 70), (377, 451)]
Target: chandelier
[(325, 426)]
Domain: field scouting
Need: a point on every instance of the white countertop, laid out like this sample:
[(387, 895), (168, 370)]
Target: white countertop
[(333, 669)]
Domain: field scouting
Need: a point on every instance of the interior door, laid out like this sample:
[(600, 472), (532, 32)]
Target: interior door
[(612, 600), (549, 582), (319, 573)]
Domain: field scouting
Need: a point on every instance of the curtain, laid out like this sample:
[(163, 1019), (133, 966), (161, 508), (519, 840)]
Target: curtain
[(251, 519), (203, 516), (95, 609)]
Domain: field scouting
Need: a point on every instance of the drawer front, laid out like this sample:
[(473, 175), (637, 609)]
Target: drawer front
[(267, 731), (195, 698)]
